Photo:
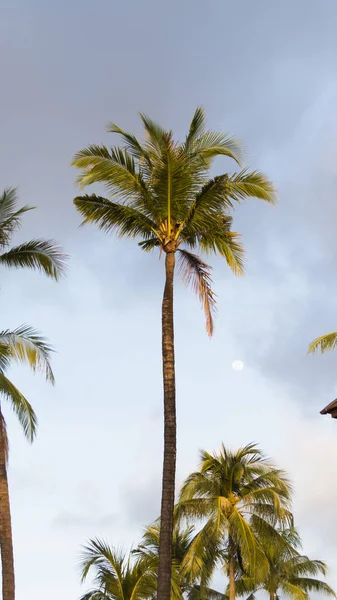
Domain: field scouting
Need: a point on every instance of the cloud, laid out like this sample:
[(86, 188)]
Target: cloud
[(74, 520)]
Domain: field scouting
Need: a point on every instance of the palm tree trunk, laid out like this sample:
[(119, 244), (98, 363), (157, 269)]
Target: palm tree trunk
[(170, 434), (271, 595), (6, 541), (231, 569)]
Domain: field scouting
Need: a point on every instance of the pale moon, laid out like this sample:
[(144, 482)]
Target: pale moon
[(237, 365)]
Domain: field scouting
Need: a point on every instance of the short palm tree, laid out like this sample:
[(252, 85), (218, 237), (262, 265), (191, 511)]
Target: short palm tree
[(25, 345), (233, 495), (182, 583), (161, 193), (116, 577), (288, 572), (148, 553), (43, 255)]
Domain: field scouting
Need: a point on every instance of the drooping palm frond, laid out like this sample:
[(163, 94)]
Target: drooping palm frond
[(26, 345), (308, 584), (324, 343), (111, 216), (197, 273), (212, 143), (20, 406), (42, 255), (250, 184)]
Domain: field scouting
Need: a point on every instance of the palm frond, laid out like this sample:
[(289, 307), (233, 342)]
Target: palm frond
[(250, 184), (295, 592), (212, 143), (196, 128), (26, 345), (197, 273), (111, 216), (157, 136), (324, 343), (43, 255), (20, 405), (10, 215), (132, 144), (225, 242), (150, 244), (116, 168), (308, 584)]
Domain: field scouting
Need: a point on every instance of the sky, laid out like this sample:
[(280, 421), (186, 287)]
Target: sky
[(265, 72)]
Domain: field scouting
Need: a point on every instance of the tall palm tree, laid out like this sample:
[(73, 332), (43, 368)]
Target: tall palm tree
[(40, 254), (288, 572), (161, 193), (115, 576), (234, 494), (25, 345)]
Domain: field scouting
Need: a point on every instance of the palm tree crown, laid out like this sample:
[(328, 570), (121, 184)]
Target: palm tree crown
[(161, 193), (234, 494)]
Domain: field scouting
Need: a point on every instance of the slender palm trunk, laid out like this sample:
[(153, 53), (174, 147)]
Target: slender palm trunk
[(170, 434), (6, 541), (271, 595), (231, 570)]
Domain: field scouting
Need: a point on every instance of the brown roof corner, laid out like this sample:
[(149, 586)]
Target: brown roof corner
[(331, 409)]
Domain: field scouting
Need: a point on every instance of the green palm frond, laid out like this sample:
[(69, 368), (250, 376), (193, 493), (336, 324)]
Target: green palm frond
[(197, 592), (324, 343), (111, 216), (150, 244), (196, 129), (114, 575), (133, 147), (197, 273), (157, 138), (117, 169), (10, 215), (212, 143), (43, 255), (293, 591), (20, 406), (308, 584), (26, 345), (251, 184)]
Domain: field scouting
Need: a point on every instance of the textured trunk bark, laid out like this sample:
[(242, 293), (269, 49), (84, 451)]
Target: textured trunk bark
[(272, 595), (231, 571), (170, 434), (6, 541)]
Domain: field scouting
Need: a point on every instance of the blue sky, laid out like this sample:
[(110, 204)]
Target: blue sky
[(267, 73)]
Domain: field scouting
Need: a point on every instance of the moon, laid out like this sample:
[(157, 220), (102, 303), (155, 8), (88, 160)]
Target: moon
[(237, 365)]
